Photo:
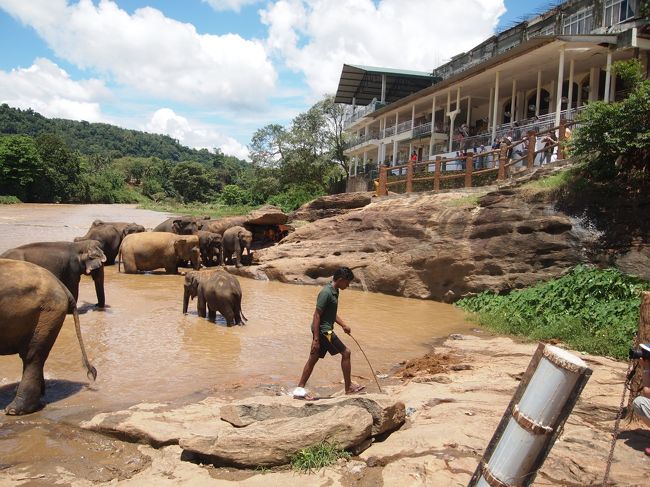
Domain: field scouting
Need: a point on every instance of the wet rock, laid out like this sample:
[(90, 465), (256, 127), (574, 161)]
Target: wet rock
[(387, 413), (273, 441)]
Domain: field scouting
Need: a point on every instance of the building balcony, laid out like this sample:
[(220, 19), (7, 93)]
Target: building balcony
[(362, 112)]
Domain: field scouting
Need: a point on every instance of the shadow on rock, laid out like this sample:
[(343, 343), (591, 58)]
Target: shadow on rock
[(55, 390)]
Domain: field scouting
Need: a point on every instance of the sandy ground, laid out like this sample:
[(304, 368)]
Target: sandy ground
[(455, 397)]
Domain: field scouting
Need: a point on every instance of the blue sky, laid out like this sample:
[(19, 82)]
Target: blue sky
[(211, 72)]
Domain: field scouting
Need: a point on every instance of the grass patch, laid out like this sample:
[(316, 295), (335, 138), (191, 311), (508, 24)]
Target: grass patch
[(591, 310), (553, 184), (9, 200), (469, 200), (317, 457), (214, 210)]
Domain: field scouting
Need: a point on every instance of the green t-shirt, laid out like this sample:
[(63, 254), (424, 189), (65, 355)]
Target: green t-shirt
[(327, 303)]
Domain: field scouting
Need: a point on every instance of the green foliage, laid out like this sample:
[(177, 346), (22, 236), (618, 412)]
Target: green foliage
[(615, 137), (294, 197), (59, 172), (591, 310), (9, 200), (317, 457), (214, 210), (232, 194), (20, 166), (193, 181), (106, 187)]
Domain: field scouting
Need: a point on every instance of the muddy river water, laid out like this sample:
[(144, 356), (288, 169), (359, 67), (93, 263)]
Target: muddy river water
[(145, 349)]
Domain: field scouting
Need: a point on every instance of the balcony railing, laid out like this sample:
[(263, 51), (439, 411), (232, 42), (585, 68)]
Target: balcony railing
[(362, 112), (361, 139)]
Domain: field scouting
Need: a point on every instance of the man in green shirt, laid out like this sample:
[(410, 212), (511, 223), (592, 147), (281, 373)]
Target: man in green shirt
[(324, 339)]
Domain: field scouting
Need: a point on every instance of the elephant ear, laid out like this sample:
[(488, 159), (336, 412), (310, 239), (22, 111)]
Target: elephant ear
[(92, 257), (191, 284)]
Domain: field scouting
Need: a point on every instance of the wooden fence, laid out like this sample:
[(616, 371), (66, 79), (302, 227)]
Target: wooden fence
[(419, 172)]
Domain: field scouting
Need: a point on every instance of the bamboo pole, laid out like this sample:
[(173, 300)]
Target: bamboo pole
[(469, 166), (532, 141), (383, 179), (409, 177), (436, 177)]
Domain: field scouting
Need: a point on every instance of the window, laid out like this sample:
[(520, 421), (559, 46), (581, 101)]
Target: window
[(548, 30), (617, 11), (580, 22)]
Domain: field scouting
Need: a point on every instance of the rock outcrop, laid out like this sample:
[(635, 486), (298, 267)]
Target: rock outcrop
[(258, 431), (431, 246), (328, 206)]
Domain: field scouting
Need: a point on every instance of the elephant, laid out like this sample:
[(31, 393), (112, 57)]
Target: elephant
[(151, 250), (222, 224), (217, 290), (182, 225), (235, 240), (33, 306), (110, 235), (210, 245), (67, 261)]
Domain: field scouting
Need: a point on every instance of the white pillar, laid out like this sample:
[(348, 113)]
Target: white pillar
[(513, 104), (354, 103), (394, 152), (558, 95), (383, 88), (383, 134), (570, 93), (608, 75), (538, 97), (433, 124), (494, 107), (449, 101), (452, 117), (490, 121), (458, 100), (396, 122), (412, 117), (469, 110)]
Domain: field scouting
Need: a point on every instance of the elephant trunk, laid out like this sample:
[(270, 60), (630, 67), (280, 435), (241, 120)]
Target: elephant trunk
[(98, 277), (186, 299)]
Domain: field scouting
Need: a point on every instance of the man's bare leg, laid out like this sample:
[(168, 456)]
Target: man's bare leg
[(346, 367), (308, 369)]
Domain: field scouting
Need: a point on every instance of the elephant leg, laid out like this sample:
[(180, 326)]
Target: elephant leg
[(229, 315), (212, 314), (238, 252), (200, 305), (98, 277)]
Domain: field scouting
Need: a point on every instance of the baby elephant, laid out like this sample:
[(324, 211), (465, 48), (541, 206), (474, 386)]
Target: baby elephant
[(217, 290)]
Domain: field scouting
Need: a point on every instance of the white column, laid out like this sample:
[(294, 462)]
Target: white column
[(433, 124), (608, 75), (412, 117), (458, 100), (383, 133), (558, 95), (383, 88), (452, 117), (396, 122), (394, 152), (570, 93), (538, 97), (495, 106), (449, 101), (354, 103), (513, 103), (469, 110), (490, 121), (594, 81)]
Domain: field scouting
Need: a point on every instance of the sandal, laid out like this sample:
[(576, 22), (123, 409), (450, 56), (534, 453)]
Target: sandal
[(355, 388), (301, 393)]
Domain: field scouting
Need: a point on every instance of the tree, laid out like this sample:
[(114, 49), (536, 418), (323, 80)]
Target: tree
[(193, 181), (20, 165), (268, 146), (60, 172)]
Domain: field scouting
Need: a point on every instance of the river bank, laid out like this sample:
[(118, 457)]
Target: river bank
[(452, 413)]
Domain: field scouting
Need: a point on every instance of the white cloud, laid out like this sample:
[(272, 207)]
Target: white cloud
[(235, 5), (317, 37), (49, 90), (192, 134), (152, 53)]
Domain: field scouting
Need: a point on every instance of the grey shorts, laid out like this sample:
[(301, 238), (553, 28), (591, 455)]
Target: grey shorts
[(642, 406)]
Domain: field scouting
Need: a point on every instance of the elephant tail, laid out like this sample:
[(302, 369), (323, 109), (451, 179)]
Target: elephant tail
[(91, 371), (119, 258), (243, 318)]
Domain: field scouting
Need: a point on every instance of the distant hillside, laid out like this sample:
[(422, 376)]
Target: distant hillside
[(99, 138)]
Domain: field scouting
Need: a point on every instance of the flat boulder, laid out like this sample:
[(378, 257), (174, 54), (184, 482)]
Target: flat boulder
[(274, 441), (267, 215), (327, 206)]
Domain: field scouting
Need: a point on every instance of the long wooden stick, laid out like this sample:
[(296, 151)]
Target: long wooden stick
[(371, 369)]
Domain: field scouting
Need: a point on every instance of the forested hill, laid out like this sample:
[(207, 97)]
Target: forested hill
[(98, 138)]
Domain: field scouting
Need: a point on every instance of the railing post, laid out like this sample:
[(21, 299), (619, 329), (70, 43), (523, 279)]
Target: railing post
[(469, 167), (532, 142), (436, 175), (561, 139), (503, 159), (383, 179), (409, 177)]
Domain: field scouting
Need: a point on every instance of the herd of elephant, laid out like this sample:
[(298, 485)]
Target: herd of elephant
[(39, 284)]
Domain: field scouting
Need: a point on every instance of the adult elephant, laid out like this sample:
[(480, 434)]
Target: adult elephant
[(110, 236), (210, 245), (152, 250), (33, 305), (182, 225), (235, 240), (218, 291), (68, 261)]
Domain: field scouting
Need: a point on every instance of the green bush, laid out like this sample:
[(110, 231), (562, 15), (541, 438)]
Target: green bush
[(294, 197), (9, 200), (317, 457), (591, 310), (232, 195)]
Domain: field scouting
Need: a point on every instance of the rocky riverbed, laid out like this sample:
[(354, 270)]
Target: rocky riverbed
[(451, 402)]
